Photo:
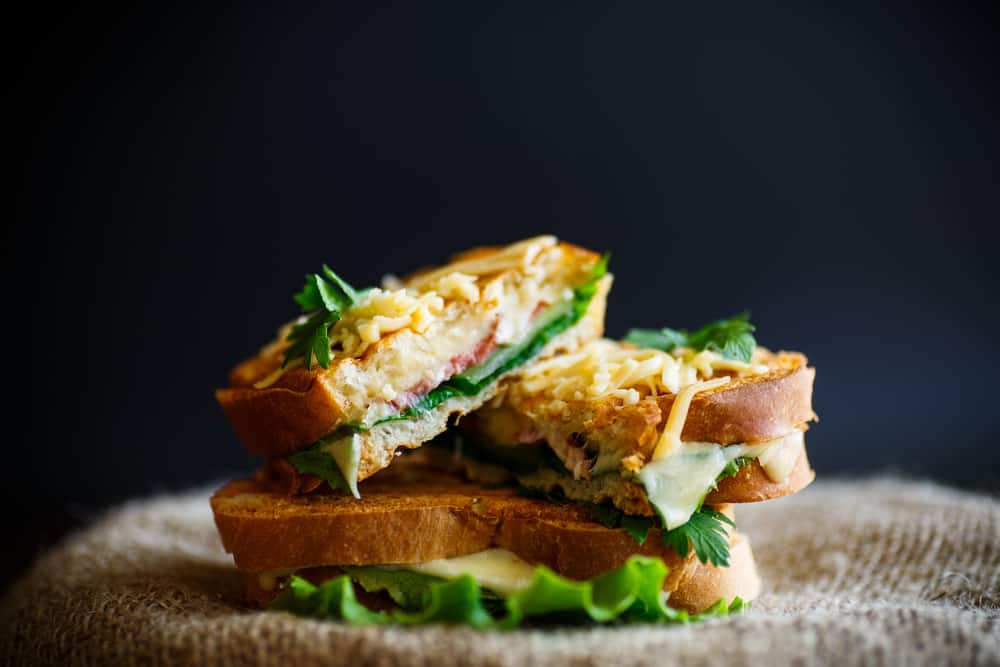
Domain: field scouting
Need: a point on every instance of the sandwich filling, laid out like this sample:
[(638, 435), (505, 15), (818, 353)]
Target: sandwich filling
[(604, 424)]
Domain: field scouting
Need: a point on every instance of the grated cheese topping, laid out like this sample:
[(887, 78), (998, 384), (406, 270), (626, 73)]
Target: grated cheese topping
[(670, 439), (437, 296), (604, 368), (522, 256)]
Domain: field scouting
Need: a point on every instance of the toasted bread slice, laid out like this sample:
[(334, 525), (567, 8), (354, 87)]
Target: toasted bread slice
[(395, 346), (604, 411), (706, 584), (412, 514), (751, 408)]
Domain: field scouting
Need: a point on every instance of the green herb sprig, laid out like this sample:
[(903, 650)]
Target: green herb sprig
[(323, 299), (732, 338), (704, 532)]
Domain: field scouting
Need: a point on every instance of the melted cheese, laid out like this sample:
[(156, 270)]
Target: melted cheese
[(605, 368), (346, 452), (677, 484), (670, 439), (779, 460), (499, 570)]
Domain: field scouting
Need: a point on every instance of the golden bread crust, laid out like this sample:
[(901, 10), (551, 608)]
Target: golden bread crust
[(749, 409), (277, 421), (700, 586), (418, 515), (706, 583), (751, 484), (752, 408)]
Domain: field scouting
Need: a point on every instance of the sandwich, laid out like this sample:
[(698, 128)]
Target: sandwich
[(425, 545), (655, 429), (365, 373), (495, 461)]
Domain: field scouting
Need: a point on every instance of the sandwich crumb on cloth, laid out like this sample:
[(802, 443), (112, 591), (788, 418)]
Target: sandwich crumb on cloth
[(463, 447)]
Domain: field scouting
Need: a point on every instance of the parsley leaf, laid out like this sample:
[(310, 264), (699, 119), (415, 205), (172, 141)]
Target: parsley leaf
[(324, 298), (311, 339), (732, 338), (636, 526), (706, 533)]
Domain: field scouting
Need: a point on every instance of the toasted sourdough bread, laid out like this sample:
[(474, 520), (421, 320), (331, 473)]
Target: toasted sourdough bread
[(485, 298), (703, 585), (417, 515)]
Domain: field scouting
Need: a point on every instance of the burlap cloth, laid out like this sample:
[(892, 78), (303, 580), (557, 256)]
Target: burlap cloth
[(875, 572)]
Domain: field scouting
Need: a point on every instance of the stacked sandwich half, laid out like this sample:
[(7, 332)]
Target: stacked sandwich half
[(462, 446)]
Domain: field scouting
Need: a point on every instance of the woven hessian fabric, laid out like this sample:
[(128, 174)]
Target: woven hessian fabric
[(880, 572)]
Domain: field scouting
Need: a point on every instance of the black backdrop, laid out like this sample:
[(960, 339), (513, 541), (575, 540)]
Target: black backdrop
[(832, 170)]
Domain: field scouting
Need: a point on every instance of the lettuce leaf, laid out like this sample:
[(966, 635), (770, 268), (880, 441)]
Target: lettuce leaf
[(335, 459), (631, 593), (406, 588)]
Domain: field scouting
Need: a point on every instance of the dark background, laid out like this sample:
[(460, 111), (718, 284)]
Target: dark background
[(833, 170)]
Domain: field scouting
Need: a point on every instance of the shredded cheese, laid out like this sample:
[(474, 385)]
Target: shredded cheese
[(670, 439), (382, 312), (521, 256), (428, 298), (604, 368)]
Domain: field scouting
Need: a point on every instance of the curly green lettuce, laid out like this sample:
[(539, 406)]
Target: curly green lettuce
[(632, 593)]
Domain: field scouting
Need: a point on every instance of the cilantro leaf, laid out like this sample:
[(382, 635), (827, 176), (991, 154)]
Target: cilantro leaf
[(704, 532), (323, 299), (732, 338)]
